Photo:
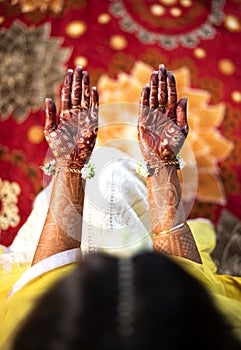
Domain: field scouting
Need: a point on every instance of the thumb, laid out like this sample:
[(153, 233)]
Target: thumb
[(50, 111), (181, 115)]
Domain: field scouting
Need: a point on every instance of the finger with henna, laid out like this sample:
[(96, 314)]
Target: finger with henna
[(162, 88), (50, 110), (65, 100), (94, 98), (181, 116), (85, 99), (144, 104), (172, 96), (76, 87), (154, 90)]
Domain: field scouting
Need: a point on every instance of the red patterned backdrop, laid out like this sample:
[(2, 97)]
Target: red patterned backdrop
[(120, 42)]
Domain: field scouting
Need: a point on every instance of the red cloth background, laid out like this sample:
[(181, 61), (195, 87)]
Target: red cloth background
[(20, 158)]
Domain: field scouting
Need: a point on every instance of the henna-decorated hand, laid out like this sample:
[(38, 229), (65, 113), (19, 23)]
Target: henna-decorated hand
[(72, 137), (162, 124)]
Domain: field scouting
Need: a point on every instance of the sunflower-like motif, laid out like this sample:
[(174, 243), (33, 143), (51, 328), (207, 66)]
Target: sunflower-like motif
[(9, 213), (28, 71), (207, 144)]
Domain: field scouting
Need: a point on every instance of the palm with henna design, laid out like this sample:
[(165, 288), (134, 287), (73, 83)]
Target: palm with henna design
[(72, 137), (162, 124)]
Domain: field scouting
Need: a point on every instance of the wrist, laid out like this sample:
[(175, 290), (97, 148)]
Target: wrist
[(154, 168), (179, 242), (157, 164), (71, 167), (69, 164), (169, 229)]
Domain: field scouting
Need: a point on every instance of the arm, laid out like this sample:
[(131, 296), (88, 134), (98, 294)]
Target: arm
[(162, 130), (71, 139)]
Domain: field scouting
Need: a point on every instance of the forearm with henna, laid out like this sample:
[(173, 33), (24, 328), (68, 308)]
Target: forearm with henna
[(178, 243), (166, 212), (63, 224), (164, 197)]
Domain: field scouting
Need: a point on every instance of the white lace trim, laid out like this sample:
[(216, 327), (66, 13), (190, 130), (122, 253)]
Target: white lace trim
[(48, 264), (8, 259)]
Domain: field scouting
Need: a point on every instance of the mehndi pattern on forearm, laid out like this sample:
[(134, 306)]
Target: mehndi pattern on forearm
[(66, 204), (164, 196), (180, 243), (53, 240)]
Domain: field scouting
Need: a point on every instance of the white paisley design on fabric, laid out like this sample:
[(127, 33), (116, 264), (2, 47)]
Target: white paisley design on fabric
[(9, 213), (206, 31), (27, 75)]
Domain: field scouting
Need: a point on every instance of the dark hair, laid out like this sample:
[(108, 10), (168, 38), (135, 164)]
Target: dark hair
[(171, 310)]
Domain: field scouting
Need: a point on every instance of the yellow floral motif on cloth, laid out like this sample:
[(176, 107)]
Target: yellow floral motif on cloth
[(9, 213), (208, 145)]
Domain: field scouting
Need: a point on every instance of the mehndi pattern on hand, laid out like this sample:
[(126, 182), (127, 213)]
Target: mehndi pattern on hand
[(72, 136), (162, 124)]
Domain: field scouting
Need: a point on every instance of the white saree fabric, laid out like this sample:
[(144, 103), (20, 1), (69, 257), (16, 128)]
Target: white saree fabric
[(116, 214)]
